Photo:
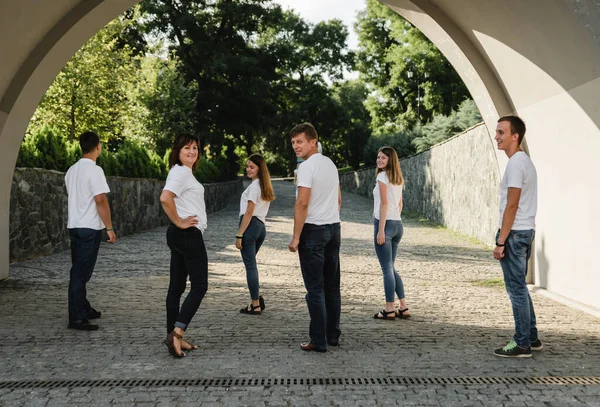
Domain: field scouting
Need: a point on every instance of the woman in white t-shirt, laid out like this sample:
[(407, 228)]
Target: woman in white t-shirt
[(388, 230), (254, 206), (182, 199)]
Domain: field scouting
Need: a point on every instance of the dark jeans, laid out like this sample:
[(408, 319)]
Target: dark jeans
[(188, 258), (85, 244), (514, 266), (319, 252), (386, 253), (254, 236)]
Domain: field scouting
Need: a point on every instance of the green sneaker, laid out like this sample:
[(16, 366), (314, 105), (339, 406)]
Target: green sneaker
[(537, 345), (512, 350)]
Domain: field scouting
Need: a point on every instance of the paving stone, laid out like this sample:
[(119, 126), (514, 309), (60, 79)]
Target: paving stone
[(455, 327)]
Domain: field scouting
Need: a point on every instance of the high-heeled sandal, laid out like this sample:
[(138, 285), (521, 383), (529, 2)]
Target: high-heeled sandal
[(252, 311), (169, 342), (185, 345)]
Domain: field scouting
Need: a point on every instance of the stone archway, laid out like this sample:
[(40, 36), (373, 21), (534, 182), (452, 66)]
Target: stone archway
[(539, 59)]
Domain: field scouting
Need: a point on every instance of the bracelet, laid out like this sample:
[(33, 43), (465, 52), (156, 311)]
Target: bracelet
[(501, 245), (110, 229), (239, 236)]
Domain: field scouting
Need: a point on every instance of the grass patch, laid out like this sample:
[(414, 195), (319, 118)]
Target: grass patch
[(490, 282)]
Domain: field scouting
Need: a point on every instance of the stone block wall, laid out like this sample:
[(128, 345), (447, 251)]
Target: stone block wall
[(455, 183), (38, 208)]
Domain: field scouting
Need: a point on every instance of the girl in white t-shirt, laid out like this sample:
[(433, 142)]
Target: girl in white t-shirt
[(388, 230), (254, 206), (182, 199)]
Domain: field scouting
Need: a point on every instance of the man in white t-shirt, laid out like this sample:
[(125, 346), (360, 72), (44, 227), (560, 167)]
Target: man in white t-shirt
[(317, 237), (518, 207), (89, 213)]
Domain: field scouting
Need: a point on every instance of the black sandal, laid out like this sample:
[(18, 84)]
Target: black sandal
[(383, 314), (252, 310), (171, 346), (261, 302), (400, 314)]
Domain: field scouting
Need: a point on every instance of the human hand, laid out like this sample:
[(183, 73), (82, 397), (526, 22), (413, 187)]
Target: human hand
[(185, 223), (238, 243), (381, 237), (112, 236), (498, 252), (293, 245)]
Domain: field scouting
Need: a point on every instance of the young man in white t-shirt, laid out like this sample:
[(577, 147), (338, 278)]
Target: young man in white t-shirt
[(317, 237), (89, 213), (518, 207)]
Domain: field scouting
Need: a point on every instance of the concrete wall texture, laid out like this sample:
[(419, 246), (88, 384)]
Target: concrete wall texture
[(455, 184), (38, 213), (543, 66)]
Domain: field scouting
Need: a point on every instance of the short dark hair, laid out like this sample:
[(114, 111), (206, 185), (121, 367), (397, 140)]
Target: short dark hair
[(517, 125), (88, 141), (306, 128), (181, 141)]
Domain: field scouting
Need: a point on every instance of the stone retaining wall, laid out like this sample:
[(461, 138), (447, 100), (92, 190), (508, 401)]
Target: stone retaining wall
[(38, 208), (455, 183)]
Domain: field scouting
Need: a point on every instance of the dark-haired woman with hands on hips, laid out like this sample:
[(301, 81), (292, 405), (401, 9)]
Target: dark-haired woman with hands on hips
[(182, 199), (388, 230), (254, 206)]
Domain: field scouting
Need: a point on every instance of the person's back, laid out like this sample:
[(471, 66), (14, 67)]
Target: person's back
[(84, 180), (320, 174)]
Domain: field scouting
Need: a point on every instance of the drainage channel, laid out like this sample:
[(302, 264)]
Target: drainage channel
[(330, 381)]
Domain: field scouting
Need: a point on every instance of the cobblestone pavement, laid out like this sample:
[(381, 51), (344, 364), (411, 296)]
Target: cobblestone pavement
[(460, 315)]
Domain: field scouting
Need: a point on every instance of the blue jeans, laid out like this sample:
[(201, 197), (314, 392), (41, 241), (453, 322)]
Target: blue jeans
[(188, 258), (254, 236), (514, 266), (386, 253), (85, 244), (319, 252)]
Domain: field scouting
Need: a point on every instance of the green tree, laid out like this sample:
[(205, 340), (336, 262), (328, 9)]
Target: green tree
[(90, 91), (409, 79)]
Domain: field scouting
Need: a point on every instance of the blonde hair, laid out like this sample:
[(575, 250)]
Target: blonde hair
[(264, 178), (392, 170)]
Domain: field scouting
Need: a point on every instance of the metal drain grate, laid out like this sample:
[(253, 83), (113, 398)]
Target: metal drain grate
[(331, 381)]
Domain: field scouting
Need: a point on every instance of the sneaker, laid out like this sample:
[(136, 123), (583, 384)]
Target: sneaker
[(512, 350), (537, 345)]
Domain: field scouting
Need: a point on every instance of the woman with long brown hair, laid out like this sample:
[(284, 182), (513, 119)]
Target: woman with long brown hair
[(182, 199), (254, 206), (387, 222)]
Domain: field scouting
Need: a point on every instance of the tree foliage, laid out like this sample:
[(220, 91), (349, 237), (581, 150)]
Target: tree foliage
[(409, 79)]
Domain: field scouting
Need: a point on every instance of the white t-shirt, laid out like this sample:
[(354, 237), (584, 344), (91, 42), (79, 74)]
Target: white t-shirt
[(252, 193), (394, 195), (520, 173), (320, 174), (85, 180), (189, 194)]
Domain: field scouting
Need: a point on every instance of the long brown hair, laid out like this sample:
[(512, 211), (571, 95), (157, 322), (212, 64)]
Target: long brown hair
[(264, 178), (181, 141), (392, 170)]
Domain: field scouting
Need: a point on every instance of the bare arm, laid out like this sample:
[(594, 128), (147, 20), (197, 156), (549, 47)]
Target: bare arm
[(245, 222), (104, 212), (508, 218), (167, 200), (300, 212), (339, 198), (383, 207)]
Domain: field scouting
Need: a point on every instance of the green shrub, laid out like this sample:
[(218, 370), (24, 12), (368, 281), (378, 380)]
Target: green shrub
[(207, 171), (46, 148)]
